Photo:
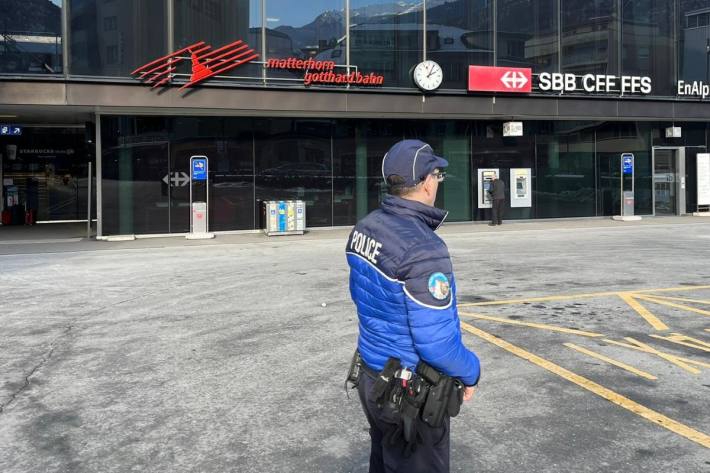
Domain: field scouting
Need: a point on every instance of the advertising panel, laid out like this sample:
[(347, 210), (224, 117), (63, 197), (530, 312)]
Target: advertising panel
[(703, 178)]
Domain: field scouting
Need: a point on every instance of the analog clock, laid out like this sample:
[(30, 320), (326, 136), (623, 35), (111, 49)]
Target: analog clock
[(428, 75)]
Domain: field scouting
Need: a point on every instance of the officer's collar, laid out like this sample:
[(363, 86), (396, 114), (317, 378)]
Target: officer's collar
[(431, 216)]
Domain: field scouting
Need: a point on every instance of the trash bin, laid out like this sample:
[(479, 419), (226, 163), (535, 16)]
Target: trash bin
[(284, 217)]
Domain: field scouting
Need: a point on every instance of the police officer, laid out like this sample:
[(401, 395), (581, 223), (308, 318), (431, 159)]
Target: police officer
[(402, 283)]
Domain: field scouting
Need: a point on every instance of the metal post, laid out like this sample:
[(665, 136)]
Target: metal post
[(265, 56), (170, 13), (347, 35), (99, 197), (65, 37), (424, 30), (88, 205)]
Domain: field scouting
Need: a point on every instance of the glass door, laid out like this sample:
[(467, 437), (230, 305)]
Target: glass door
[(664, 182)]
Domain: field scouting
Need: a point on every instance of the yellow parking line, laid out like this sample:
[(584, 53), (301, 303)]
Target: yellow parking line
[(674, 305), (685, 340), (611, 361), (681, 299), (539, 299), (580, 296), (642, 311), (674, 289), (679, 361), (552, 328), (611, 396)]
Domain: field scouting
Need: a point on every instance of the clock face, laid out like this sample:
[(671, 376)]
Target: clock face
[(428, 75)]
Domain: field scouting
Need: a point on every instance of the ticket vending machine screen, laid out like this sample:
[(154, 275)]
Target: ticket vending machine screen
[(486, 185), (521, 186)]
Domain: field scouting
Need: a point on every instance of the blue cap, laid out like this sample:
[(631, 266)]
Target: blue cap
[(411, 159)]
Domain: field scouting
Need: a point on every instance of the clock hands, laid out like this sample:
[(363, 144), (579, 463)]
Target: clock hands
[(432, 70)]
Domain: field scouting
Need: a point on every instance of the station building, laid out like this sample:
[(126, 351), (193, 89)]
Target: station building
[(300, 100)]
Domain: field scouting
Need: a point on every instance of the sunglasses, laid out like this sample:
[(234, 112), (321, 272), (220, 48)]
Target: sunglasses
[(440, 176)]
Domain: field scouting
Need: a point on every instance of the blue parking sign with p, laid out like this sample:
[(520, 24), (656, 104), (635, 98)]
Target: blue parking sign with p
[(199, 169)]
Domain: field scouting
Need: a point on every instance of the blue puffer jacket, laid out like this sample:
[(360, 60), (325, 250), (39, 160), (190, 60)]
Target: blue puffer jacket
[(402, 283)]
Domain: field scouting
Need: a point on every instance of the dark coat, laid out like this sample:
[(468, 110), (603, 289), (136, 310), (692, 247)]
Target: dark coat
[(498, 190)]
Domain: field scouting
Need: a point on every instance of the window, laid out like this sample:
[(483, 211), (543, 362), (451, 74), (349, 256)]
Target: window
[(527, 34), (387, 38), (693, 36), (110, 23), (111, 54), (31, 37), (647, 39), (96, 26), (590, 36), (218, 23)]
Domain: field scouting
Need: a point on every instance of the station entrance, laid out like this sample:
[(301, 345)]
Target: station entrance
[(45, 171), (675, 179)]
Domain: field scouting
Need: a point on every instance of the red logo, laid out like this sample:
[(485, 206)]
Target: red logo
[(206, 63), (499, 79)]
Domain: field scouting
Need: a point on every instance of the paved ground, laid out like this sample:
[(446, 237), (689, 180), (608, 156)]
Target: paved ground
[(167, 355)]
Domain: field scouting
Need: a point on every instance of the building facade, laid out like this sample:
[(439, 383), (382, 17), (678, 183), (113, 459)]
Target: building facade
[(300, 100)]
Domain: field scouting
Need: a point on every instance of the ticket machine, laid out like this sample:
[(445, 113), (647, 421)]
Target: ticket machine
[(485, 178)]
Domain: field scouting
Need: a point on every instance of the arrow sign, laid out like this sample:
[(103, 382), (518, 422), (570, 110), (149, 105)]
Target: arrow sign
[(10, 130), (177, 179), (499, 79)]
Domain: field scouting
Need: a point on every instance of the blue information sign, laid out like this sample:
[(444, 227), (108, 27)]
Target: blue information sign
[(628, 163), (10, 130), (199, 169)]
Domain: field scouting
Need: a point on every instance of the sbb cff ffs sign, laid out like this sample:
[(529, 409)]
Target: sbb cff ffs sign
[(499, 79)]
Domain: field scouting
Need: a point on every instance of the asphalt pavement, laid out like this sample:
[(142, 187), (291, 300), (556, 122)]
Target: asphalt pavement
[(229, 355)]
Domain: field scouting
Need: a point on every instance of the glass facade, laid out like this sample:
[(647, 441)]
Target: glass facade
[(315, 29), (387, 38), (219, 23), (114, 37), (663, 39), (335, 167), (693, 26), (647, 42), (459, 33), (590, 36), (47, 168), (31, 37), (527, 35)]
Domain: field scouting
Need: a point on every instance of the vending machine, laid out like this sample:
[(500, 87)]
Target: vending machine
[(520, 192), (485, 178)]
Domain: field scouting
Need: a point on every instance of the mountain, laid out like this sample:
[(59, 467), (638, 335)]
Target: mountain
[(329, 26)]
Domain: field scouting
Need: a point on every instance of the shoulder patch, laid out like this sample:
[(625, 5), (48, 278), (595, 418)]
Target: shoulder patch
[(439, 286)]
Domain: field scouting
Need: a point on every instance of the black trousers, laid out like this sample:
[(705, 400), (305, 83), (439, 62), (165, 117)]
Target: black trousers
[(497, 206), (431, 456)]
